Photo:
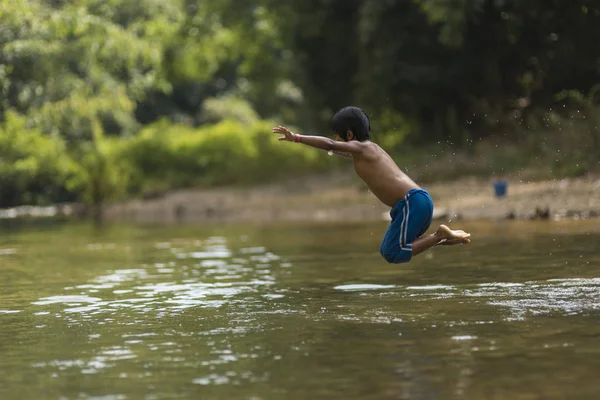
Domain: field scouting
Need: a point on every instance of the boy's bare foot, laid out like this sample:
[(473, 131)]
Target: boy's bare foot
[(448, 237)]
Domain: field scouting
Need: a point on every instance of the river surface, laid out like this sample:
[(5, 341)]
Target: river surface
[(298, 312)]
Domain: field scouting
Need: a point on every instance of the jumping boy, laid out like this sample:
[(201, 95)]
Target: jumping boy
[(412, 207)]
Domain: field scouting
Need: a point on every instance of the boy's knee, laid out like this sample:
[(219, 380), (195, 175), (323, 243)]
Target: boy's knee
[(396, 257), (394, 254)]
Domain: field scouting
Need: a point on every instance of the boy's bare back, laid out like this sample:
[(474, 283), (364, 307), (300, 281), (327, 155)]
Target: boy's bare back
[(381, 174)]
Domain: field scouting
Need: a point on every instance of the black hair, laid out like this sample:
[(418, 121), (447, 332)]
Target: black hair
[(351, 119)]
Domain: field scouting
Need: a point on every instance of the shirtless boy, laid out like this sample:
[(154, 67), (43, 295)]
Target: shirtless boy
[(412, 207)]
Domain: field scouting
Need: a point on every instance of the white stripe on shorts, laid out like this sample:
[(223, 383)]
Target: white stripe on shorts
[(406, 223)]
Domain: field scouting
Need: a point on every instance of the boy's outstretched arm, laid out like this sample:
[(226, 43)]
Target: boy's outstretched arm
[(319, 142), (444, 236)]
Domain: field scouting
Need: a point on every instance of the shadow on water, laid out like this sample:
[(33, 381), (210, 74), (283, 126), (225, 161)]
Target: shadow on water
[(302, 311)]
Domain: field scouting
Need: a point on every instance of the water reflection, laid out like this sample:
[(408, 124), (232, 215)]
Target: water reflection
[(362, 286), (211, 282), (214, 275), (568, 296), (218, 276)]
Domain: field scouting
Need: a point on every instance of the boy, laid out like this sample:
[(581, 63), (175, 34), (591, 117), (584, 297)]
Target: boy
[(412, 207)]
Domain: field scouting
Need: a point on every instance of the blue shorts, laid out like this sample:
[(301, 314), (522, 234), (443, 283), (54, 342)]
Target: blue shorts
[(411, 217)]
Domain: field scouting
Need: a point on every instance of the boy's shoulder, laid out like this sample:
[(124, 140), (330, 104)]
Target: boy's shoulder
[(367, 144), (370, 150), (370, 146)]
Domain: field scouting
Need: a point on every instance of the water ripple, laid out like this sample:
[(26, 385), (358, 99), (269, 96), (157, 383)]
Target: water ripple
[(211, 283)]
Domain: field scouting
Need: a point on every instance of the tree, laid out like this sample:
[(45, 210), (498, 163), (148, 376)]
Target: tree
[(69, 68)]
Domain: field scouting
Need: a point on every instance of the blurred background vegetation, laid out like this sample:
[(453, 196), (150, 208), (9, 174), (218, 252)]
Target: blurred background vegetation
[(106, 99)]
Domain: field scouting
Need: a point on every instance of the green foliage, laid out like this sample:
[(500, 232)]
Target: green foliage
[(167, 156), (587, 115), (391, 129), (102, 174), (34, 168), (39, 169), (229, 107), (105, 98), (67, 63), (456, 70), (568, 141)]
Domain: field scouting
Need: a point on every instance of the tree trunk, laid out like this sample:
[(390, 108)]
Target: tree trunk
[(98, 214)]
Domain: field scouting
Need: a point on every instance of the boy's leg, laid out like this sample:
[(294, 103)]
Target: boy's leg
[(411, 221), (404, 239), (443, 236), (422, 203)]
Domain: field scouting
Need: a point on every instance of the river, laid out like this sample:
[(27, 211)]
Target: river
[(298, 311)]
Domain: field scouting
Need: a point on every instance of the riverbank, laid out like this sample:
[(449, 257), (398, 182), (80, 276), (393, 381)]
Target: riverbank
[(344, 198)]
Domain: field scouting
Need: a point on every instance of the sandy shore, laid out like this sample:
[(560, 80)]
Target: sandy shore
[(345, 198)]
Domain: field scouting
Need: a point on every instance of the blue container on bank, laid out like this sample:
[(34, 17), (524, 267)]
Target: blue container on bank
[(500, 188)]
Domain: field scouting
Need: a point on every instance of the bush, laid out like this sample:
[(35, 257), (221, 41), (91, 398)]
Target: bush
[(37, 168), (102, 174), (167, 156), (34, 168)]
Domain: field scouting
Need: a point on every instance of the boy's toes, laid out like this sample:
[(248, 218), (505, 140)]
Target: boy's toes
[(461, 234)]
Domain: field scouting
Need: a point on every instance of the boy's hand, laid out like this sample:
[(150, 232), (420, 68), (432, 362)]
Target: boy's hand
[(287, 134), (449, 237)]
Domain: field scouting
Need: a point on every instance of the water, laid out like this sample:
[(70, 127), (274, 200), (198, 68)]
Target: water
[(299, 312)]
